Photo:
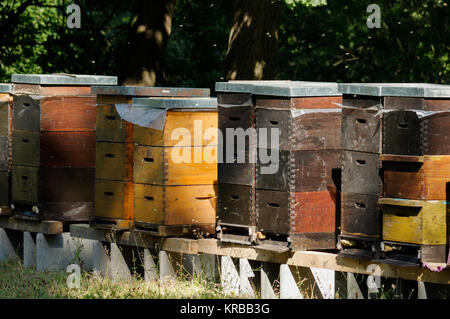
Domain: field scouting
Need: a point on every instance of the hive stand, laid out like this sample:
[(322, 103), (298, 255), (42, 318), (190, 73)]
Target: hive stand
[(43, 245), (251, 272)]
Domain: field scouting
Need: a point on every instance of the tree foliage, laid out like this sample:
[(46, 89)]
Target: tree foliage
[(317, 40)]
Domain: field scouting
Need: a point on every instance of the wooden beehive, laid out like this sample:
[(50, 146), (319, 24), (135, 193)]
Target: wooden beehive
[(53, 144), (422, 223), (6, 105), (435, 133), (416, 177), (114, 186), (307, 117), (175, 167), (386, 120)]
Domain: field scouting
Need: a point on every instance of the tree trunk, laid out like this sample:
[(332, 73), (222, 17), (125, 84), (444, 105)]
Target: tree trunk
[(147, 41), (252, 44)]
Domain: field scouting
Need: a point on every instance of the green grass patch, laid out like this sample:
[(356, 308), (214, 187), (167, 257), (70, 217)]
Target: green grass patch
[(18, 282)]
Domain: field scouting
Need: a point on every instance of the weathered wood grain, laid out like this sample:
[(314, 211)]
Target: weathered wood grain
[(179, 130), (414, 221), (48, 90), (175, 205), (236, 204), (114, 200), (360, 216), (427, 180), (403, 103), (301, 171), (44, 227), (310, 131), (111, 127), (437, 104), (273, 211), (362, 101), (5, 188), (114, 161), (175, 165), (32, 185), (322, 102), (401, 133), (361, 173), (436, 134), (361, 130)]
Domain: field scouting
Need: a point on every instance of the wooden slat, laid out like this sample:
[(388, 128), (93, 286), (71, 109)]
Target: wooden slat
[(322, 260), (138, 239), (44, 227), (401, 158)]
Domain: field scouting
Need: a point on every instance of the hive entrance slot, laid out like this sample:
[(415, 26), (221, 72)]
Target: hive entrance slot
[(361, 162)]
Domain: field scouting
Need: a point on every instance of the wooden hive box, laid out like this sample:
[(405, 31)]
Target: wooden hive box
[(53, 145), (435, 134), (416, 177), (6, 107), (423, 223), (110, 125), (394, 118), (114, 187), (236, 176), (175, 167), (377, 119), (307, 117)]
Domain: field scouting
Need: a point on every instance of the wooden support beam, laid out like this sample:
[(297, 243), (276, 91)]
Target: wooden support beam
[(308, 259), (136, 239), (43, 227), (322, 260)]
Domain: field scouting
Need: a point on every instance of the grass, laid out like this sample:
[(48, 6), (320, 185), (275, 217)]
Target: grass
[(18, 282)]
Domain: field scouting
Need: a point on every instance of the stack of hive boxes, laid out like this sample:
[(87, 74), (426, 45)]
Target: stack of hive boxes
[(175, 166), (415, 202), (54, 146), (236, 167), (114, 187), (382, 130), (292, 190), (6, 104)]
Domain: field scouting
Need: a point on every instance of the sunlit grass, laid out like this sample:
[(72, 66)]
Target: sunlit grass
[(18, 282)]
